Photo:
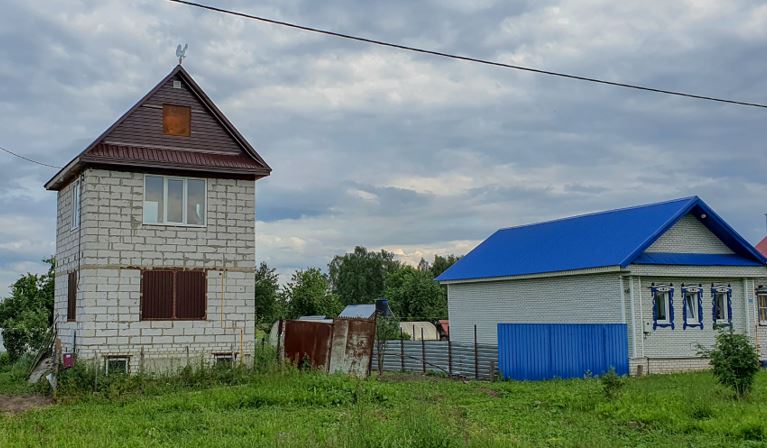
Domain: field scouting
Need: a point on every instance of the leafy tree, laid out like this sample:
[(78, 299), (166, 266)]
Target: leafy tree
[(439, 265), (268, 306), (308, 293), (28, 312), (413, 295), (359, 276), (735, 362)]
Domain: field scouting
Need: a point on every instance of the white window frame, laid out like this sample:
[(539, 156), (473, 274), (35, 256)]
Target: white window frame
[(76, 204), (694, 294), (666, 297), (117, 358), (184, 199), (759, 308), (725, 309)]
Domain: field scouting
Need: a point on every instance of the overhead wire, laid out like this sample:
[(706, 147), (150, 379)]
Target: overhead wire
[(28, 159), (468, 58)]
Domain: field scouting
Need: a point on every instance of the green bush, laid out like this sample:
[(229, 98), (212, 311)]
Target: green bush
[(735, 362), (612, 384)]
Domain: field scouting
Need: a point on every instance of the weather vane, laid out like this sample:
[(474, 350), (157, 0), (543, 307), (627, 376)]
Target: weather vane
[(181, 52)]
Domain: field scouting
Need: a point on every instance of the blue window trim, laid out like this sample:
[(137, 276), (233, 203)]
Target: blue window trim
[(655, 323), (699, 291), (727, 290)]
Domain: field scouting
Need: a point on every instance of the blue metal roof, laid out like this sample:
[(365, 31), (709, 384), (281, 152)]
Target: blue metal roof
[(362, 311), (611, 238)]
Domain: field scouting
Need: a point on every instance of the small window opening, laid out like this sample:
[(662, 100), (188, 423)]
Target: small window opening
[(224, 359), (761, 301), (116, 365)]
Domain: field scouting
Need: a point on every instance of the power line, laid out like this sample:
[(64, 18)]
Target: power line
[(28, 159), (468, 58)]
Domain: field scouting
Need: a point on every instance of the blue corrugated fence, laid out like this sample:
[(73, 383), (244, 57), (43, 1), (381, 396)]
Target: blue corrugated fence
[(544, 351)]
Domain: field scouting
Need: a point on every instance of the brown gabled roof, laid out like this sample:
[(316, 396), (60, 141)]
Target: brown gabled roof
[(228, 151)]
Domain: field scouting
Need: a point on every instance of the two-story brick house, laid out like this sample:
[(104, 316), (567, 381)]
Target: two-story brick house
[(155, 245)]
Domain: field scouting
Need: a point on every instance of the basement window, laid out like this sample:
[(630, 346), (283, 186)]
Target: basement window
[(662, 306), (224, 359), (116, 365), (173, 295), (693, 306), (178, 201), (176, 120), (721, 298)]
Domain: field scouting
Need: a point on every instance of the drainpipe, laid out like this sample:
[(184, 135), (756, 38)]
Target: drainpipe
[(745, 307), (633, 317)]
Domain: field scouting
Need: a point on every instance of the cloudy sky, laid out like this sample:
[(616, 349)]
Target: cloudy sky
[(411, 153)]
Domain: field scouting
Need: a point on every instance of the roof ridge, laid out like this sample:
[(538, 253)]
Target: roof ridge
[(597, 213)]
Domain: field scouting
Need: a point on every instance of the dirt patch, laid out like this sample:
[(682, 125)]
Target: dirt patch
[(20, 403), (489, 392)]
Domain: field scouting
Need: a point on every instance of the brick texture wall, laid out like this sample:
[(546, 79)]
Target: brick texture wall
[(592, 298), (689, 235), (116, 245)]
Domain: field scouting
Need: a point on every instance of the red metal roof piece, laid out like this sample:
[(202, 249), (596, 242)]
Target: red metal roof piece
[(762, 246), (171, 158)]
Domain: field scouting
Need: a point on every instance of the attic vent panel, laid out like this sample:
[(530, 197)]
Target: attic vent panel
[(176, 84), (176, 120)]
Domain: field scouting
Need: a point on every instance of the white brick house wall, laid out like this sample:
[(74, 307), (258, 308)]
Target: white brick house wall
[(116, 245), (592, 298)]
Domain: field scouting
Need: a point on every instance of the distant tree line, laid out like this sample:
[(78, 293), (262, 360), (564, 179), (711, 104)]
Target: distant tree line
[(360, 276)]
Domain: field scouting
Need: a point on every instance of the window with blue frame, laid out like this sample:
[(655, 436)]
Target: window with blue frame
[(692, 311), (662, 306), (721, 304)]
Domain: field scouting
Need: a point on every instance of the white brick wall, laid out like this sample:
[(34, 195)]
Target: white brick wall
[(592, 298), (689, 235), (116, 245)]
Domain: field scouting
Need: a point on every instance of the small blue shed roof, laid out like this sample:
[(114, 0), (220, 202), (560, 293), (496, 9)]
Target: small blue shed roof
[(604, 239), (362, 311)]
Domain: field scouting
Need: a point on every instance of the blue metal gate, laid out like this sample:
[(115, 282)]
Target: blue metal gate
[(544, 351)]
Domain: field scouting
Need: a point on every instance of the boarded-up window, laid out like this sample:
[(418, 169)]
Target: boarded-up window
[(71, 296), (190, 294), (176, 120), (173, 294)]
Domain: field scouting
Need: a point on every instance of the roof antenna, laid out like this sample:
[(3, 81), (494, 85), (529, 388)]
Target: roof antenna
[(181, 53)]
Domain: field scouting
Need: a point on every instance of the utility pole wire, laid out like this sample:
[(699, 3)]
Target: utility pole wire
[(28, 159), (468, 58)]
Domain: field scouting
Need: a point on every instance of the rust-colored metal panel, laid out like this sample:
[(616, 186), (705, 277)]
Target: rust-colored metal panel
[(191, 294), (72, 296), (157, 294), (352, 346), (308, 340), (170, 158), (176, 120)]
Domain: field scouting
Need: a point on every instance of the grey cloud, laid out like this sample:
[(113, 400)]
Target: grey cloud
[(381, 148)]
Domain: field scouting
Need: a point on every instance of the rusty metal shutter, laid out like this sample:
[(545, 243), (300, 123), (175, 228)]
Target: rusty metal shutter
[(157, 294), (72, 296), (191, 288)]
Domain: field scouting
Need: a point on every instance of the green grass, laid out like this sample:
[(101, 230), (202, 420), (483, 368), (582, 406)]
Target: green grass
[(291, 408)]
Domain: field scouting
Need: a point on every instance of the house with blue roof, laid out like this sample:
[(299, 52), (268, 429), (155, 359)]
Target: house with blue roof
[(673, 272)]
